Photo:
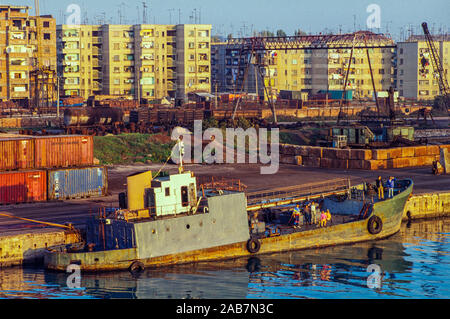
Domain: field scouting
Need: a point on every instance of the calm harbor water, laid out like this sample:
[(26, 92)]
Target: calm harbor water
[(414, 263)]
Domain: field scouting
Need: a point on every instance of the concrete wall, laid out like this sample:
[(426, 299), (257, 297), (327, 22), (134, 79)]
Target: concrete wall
[(427, 206), (226, 223), (30, 247)]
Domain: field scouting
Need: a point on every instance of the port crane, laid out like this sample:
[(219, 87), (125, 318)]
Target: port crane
[(256, 48), (437, 66)]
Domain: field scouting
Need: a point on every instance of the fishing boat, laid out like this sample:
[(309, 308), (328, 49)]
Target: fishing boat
[(171, 220)]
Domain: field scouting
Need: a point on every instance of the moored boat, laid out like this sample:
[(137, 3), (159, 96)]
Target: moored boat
[(167, 220)]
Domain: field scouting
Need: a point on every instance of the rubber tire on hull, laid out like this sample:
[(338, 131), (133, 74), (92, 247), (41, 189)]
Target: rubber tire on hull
[(375, 225), (253, 245), (136, 267)]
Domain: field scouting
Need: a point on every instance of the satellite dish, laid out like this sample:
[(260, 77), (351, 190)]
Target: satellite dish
[(8, 50)]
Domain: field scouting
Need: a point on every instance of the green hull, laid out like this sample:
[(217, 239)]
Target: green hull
[(390, 212)]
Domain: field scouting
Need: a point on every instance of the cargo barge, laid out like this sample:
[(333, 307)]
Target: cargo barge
[(165, 221)]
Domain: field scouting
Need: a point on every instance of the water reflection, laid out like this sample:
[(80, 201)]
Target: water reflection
[(414, 263)]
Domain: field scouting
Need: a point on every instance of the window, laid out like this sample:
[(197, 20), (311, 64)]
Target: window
[(167, 190), (46, 24), (46, 36), (116, 46), (116, 58), (184, 196)]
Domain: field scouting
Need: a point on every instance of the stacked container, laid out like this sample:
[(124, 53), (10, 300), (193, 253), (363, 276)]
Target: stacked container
[(23, 187), (77, 183), (34, 169), (63, 151)]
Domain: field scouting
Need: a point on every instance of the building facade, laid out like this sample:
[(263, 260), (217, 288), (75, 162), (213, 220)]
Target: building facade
[(27, 56), (135, 61), (416, 77)]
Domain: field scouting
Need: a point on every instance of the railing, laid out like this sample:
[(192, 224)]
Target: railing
[(220, 184), (335, 185)]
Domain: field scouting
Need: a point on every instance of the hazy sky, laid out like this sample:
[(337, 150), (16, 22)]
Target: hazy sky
[(241, 17)]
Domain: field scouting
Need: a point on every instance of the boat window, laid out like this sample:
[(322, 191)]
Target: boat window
[(184, 196)]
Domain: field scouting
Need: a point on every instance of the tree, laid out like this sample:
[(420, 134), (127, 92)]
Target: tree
[(281, 33), (299, 32)]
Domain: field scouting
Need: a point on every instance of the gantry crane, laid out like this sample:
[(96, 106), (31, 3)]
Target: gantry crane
[(256, 48), (437, 66)]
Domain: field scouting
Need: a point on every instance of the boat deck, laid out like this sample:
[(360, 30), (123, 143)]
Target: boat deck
[(289, 229)]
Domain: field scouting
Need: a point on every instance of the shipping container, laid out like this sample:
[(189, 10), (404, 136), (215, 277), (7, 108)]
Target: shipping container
[(63, 151), (23, 187), (77, 183), (16, 153)]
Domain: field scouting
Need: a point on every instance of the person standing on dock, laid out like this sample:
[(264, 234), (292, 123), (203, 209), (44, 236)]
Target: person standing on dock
[(391, 185), (379, 184)]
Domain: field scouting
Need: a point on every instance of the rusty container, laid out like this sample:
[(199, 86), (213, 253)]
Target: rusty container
[(16, 153), (63, 151), (23, 187)]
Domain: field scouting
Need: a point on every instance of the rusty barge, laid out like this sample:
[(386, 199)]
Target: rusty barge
[(167, 220)]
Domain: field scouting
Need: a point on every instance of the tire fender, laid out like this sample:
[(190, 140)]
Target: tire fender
[(253, 245), (374, 225)]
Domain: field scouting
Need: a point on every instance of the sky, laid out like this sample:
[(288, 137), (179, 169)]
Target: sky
[(242, 17)]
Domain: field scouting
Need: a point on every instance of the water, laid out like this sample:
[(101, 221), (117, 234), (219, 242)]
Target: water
[(414, 263)]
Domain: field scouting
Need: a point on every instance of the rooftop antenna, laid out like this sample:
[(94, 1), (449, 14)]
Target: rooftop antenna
[(170, 15), (179, 16), (144, 13)]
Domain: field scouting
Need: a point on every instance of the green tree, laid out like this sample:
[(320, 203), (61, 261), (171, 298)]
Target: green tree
[(281, 33), (299, 32)]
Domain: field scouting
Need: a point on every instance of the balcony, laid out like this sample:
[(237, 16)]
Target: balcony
[(171, 74), (96, 40), (171, 63)]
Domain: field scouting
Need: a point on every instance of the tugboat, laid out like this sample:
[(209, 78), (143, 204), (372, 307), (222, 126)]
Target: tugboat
[(167, 220)]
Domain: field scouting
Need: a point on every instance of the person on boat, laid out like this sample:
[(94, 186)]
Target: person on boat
[(253, 222), (379, 183), (313, 213), (391, 185), (296, 215), (323, 219), (328, 215)]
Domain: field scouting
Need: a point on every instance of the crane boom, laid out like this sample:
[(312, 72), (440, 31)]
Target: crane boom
[(436, 62)]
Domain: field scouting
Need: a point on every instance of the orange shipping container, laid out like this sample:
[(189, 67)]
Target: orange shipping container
[(23, 187), (63, 151), (16, 153)]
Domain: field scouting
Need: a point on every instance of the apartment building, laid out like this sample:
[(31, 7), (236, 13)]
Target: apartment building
[(136, 61), (416, 77), (309, 70), (23, 52), (79, 60)]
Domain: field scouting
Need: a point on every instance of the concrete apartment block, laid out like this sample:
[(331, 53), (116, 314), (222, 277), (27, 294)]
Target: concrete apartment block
[(22, 52), (416, 78), (137, 61)]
